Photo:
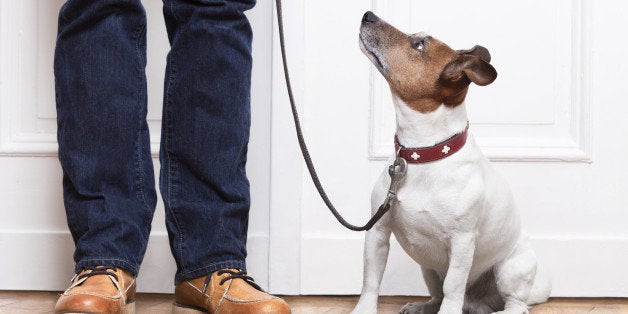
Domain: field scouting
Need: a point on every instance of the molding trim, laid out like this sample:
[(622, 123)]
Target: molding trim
[(588, 275), (21, 78), (401, 278), (285, 170), (26, 117), (570, 141), (29, 248)]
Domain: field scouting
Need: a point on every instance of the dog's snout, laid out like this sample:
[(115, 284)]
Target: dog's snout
[(369, 17)]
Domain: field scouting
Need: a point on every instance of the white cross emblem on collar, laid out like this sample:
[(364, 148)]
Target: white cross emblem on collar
[(415, 156), (446, 149)]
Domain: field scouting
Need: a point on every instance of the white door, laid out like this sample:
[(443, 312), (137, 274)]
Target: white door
[(34, 240), (554, 123)]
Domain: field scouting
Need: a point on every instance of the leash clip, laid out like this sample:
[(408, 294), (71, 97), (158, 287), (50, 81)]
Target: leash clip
[(396, 171)]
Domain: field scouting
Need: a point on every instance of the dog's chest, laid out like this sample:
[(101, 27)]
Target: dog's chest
[(427, 210), (422, 232)]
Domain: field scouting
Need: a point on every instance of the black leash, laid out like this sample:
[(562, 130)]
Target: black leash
[(396, 170)]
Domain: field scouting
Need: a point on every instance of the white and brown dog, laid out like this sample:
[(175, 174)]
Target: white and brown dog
[(454, 214)]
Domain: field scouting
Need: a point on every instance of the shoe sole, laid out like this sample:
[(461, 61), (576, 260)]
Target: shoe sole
[(182, 309), (129, 308)]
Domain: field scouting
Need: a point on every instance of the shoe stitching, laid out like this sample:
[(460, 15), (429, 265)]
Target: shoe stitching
[(195, 288), (115, 283), (207, 302), (249, 301), (227, 297), (224, 296), (201, 292), (232, 299), (130, 285), (120, 295), (117, 297), (209, 296), (73, 285)]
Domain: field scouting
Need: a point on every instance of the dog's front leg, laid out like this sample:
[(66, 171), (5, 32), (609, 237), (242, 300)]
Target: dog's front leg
[(376, 248), (462, 247)]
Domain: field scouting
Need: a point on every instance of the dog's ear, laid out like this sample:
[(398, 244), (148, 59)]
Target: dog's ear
[(479, 51), (464, 69), (467, 68)]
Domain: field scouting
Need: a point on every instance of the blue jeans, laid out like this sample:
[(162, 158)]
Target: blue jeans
[(104, 146)]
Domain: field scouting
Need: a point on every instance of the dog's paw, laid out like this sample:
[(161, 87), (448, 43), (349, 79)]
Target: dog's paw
[(420, 308), (412, 308)]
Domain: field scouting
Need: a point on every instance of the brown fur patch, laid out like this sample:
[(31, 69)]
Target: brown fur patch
[(415, 75)]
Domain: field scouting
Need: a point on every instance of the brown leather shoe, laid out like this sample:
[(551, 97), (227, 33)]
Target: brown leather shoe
[(225, 291), (99, 290)]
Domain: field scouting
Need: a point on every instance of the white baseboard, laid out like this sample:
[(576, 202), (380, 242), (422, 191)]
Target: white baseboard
[(43, 261), (579, 266)]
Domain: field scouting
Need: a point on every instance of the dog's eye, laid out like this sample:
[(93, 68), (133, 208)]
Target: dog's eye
[(418, 44)]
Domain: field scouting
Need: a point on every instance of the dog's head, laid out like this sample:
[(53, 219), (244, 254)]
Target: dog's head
[(421, 70)]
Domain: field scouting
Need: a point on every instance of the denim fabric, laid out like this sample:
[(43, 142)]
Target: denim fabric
[(104, 145)]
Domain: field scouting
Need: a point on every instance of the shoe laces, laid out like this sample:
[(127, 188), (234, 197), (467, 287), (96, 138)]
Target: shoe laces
[(239, 274), (97, 270)]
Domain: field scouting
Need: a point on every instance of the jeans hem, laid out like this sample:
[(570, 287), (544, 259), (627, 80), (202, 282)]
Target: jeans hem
[(111, 262), (208, 269)]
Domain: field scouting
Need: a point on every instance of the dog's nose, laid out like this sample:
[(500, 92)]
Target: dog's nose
[(369, 17)]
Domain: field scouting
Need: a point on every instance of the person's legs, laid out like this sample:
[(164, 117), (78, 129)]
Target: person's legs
[(104, 148), (205, 134)]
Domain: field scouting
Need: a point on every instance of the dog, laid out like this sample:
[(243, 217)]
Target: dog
[(453, 213)]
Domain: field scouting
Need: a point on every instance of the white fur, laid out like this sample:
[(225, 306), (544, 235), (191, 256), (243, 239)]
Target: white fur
[(456, 218)]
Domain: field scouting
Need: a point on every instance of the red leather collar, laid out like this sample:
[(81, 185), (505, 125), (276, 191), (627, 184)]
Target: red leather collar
[(439, 151)]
